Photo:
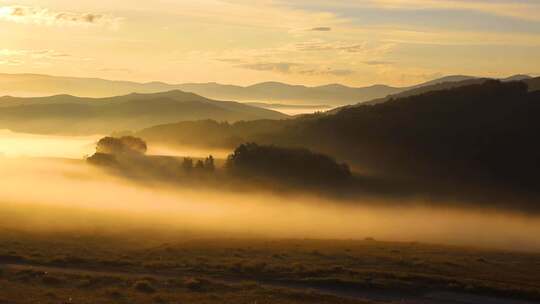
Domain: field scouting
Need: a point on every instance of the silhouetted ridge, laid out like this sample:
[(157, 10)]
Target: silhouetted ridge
[(267, 92), (480, 135), (66, 114)]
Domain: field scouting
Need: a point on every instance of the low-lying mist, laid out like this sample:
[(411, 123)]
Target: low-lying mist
[(55, 195), (13, 144)]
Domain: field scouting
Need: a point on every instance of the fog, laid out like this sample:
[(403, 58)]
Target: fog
[(14, 144), (31, 145), (292, 110), (187, 151), (44, 194)]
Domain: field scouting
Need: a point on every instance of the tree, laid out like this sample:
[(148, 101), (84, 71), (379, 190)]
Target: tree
[(199, 165), (134, 144), (102, 159), (122, 145), (187, 164), (109, 145), (285, 164), (209, 163)]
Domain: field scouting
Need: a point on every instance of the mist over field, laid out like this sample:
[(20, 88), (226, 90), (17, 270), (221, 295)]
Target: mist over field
[(14, 144), (270, 152), (66, 194)]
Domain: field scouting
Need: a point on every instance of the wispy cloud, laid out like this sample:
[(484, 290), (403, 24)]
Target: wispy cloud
[(43, 16), (268, 14), (328, 72), (295, 68), (516, 9), (49, 54), (321, 29), (121, 70), (377, 62), (345, 47), (15, 57), (12, 62), (281, 67)]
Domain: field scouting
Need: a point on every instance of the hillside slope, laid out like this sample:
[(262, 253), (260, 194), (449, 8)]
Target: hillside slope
[(483, 134), (65, 114), (456, 82)]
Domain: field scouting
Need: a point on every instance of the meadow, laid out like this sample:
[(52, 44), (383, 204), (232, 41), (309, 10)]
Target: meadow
[(139, 268)]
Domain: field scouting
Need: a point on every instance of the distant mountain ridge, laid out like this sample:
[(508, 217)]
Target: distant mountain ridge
[(66, 114), (445, 83), (267, 92)]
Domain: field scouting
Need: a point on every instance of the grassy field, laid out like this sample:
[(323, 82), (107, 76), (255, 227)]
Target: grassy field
[(91, 268)]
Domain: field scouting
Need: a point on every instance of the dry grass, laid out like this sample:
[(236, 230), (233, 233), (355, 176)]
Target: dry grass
[(91, 269)]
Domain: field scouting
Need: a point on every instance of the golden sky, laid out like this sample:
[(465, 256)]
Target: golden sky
[(354, 42)]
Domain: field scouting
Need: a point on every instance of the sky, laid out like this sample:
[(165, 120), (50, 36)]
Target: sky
[(311, 42)]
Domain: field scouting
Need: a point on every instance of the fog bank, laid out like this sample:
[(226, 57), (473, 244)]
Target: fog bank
[(14, 144), (69, 195)]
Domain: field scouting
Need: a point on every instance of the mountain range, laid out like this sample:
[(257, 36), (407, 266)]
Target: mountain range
[(66, 114), (29, 85), (445, 83)]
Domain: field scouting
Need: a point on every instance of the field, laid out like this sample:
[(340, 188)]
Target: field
[(270, 152), (94, 268)]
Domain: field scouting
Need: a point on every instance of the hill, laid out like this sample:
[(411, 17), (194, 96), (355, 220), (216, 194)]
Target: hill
[(284, 93), (66, 114), (445, 83), (533, 83), (481, 134), (29, 85)]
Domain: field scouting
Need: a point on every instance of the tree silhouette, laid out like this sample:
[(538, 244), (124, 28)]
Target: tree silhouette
[(122, 145), (285, 164), (209, 164), (187, 164), (199, 165), (102, 159)]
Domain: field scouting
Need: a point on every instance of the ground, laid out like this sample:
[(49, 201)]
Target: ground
[(98, 268)]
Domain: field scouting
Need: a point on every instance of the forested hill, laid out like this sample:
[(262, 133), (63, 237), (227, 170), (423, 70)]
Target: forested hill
[(484, 132)]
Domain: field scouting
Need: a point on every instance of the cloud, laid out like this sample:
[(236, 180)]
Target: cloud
[(16, 57), (43, 16), (36, 54), (230, 60), (345, 47), (266, 14), (281, 67), (505, 8), (295, 68), (342, 72), (517, 9), (443, 38), (115, 70), (378, 62), (12, 62), (321, 29), (328, 72)]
